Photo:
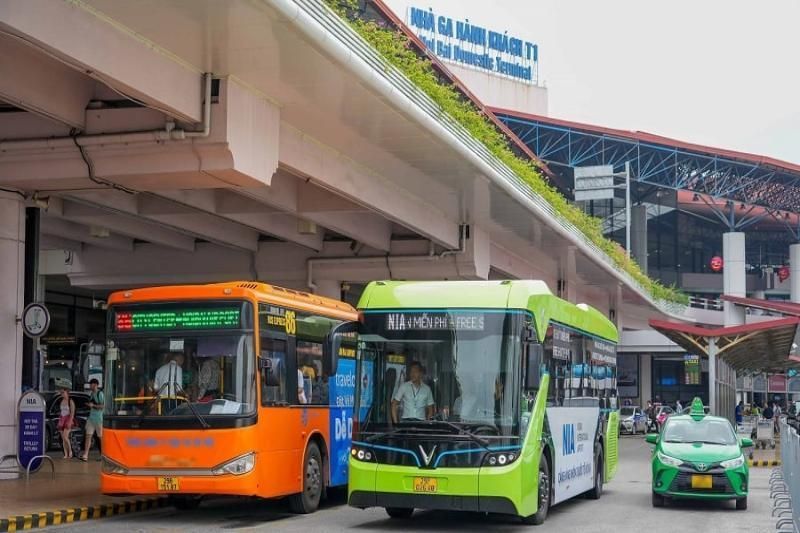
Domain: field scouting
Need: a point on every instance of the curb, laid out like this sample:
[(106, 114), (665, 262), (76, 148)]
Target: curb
[(764, 462), (77, 514)]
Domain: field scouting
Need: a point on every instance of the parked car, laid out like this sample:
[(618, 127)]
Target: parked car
[(52, 440), (699, 456), (632, 420)]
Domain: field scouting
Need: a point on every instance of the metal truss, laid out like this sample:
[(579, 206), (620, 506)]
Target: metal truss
[(662, 165)]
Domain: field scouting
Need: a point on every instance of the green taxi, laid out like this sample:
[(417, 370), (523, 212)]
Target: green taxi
[(699, 456)]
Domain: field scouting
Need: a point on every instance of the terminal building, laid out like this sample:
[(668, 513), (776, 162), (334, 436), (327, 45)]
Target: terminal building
[(268, 143)]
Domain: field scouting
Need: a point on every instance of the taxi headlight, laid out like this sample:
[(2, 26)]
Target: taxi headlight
[(241, 465), (667, 460), (107, 466), (733, 463)]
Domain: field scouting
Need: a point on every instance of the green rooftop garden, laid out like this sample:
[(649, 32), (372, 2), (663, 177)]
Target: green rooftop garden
[(395, 47)]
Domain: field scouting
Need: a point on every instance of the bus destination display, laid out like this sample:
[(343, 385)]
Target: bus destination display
[(163, 319)]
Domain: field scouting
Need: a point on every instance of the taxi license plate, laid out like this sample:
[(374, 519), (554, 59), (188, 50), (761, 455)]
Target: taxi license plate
[(169, 484), (426, 484), (702, 482)]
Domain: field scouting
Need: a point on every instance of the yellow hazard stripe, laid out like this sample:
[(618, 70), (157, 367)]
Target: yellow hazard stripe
[(66, 516), (773, 462)]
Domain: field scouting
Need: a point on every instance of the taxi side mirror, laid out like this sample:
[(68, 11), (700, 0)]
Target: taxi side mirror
[(746, 443), (651, 438)]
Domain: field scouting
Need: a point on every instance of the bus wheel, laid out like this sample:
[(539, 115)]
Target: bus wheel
[(540, 515), (400, 512), (597, 490), (308, 500), (184, 503)]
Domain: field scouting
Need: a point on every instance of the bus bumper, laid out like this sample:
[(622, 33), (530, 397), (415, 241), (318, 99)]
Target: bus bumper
[(457, 489), (244, 485)]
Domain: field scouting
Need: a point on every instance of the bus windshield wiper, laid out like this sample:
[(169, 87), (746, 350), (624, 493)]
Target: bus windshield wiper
[(150, 403), (203, 423), (394, 431), (462, 430), (157, 396)]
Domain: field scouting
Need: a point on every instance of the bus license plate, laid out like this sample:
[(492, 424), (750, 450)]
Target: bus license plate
[(702, 482), (169, 484), (426, 484)]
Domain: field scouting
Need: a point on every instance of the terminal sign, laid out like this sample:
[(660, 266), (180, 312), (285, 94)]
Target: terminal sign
[(469, 44)]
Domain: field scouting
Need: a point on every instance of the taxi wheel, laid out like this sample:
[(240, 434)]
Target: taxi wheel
[(400, 512), (308, 500), (540, 515), (658, 500), (741, 504)]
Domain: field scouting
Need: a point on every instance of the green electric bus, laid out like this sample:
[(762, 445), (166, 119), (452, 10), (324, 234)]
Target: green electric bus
[(490, 396)]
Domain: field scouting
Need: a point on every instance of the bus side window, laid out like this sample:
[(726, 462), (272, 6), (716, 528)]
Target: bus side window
[(312, 332), (272, 363)]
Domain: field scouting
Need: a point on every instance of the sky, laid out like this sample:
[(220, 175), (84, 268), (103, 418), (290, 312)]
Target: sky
[(722, 73)]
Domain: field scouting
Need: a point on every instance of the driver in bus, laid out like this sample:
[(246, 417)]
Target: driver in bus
[(414, 396)]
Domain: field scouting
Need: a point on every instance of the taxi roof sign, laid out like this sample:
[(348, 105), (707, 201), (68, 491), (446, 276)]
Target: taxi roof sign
[(697, 410)]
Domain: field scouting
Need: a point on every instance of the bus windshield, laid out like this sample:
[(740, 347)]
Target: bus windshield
[(448, 371), (196, 360)]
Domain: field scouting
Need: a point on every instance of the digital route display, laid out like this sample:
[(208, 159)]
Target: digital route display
[(168, 319)]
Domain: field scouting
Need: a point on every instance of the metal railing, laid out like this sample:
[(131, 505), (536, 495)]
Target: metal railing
[(711, 304), (785, 481), (357, 46)]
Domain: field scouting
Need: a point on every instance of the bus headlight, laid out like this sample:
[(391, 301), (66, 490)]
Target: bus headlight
[(107, 466), (500, 458), (733, 463), (362, 454), (241, 465)]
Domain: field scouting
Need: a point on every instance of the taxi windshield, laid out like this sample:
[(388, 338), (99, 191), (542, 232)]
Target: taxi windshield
[(705, 431)]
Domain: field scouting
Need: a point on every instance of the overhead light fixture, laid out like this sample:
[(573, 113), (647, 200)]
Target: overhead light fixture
[(786, 216), (99, 232), (741, 205), (306, 227), (42, 202), (695, 197)]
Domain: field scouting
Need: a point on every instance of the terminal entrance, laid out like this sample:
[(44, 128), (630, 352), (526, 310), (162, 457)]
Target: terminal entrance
[(679, 378)]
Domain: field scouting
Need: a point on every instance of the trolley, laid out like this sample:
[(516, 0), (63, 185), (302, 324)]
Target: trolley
[(765, 433)]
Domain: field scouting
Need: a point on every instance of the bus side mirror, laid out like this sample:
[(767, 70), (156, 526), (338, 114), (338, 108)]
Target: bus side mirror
[(533, 365), (341, 340)]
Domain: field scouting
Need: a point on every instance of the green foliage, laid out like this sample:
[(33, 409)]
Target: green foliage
[(395, 48)]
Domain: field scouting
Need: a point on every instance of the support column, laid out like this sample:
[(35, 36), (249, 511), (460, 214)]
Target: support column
[(712, 375), (639, 235), (733, 275), (794, 272), (30, 347), (12, 268)]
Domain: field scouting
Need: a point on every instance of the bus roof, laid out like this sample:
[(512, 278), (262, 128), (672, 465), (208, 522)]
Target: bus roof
[(533, 295), (238, 289)]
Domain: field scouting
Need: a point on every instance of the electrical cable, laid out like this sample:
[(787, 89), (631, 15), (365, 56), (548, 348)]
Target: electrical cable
[(90, 167), (14, 191)]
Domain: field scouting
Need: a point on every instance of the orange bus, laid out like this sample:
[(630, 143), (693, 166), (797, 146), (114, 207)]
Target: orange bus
[(227, 388)]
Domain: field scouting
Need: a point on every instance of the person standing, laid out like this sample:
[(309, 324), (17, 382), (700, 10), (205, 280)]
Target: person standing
[(94, 424), (66, 421), (415, 396), (678, 406), (739, 412), (208, 380)]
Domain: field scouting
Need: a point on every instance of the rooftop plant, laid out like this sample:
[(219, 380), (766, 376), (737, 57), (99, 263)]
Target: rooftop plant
[(398, 51)]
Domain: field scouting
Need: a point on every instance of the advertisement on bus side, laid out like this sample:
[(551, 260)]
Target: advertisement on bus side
[(573, 430)]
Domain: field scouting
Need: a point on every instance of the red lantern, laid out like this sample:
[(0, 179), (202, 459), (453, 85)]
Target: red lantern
[(783, 273), (716, 263)]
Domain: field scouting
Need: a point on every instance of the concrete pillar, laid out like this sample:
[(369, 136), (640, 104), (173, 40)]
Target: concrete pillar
[(646, 378), (712, 376), (639, 235), (733, 275), (794, 272), (12, 274), (567, 275), (329, 288)]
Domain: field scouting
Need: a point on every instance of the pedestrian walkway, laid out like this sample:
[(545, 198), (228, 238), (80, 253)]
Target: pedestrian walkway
[(73, 495)]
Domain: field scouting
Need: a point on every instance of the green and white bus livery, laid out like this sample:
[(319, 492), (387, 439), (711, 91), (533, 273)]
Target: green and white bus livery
[(490, 396)]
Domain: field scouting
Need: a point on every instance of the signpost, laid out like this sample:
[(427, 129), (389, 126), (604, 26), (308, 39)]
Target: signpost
[(30, 441)]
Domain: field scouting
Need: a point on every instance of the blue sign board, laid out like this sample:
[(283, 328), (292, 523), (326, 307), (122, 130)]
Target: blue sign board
[(468, 44), (31, 429)]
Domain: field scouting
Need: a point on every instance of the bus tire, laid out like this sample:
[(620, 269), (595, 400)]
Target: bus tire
[(597, 490), (308, 499), (400, 512), (540, 515)]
